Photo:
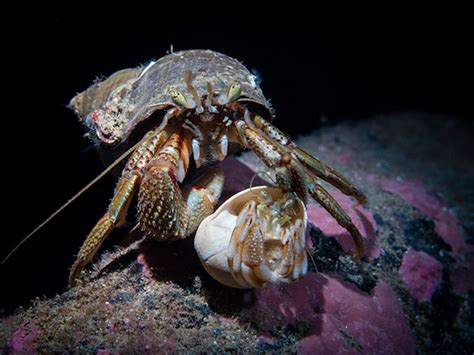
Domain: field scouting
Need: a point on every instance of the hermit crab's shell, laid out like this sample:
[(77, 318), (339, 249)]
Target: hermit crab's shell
[(116, 105), (214, 234)]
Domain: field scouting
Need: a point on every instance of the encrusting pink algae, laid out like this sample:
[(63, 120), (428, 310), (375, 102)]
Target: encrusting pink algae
[(411, 292)]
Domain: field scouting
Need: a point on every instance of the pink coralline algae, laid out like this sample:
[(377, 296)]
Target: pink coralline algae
[(421, 273), (24, 338), (334, 316), (362, 218), (415, 193)]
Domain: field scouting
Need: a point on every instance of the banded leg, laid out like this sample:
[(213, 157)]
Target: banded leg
[(118, 207), (290, 173), (164, 211), (201, 199), (278, 157), (115, 215), (262, 251), (332, 206), (317, 167)]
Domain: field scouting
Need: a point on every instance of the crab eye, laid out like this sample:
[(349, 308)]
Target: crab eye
[(267, 198), (234, 91), (178, 98)]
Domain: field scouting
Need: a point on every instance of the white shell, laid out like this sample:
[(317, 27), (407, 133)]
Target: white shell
[(214, 233)]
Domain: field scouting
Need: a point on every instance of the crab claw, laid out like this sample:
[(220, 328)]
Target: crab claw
[(255, 237)]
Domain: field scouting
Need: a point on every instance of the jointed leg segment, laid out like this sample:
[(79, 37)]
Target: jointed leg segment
[(316, 167), (332, 206), (118, 207), (114, 216), (165, 213), (296, 171)]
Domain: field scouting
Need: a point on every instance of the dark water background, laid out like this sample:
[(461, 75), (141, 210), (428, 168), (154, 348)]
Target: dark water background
[(316, 74)]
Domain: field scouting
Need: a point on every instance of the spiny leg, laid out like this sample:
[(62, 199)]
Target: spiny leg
[(337, 212), (166, 213), (277, 157), (115, 213), (201, 198), (330, 175), (326, 173), (289, 172), (118, 207), (171, 213), (317, 167)]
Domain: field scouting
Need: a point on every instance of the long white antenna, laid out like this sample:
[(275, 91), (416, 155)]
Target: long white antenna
[(72, 199)]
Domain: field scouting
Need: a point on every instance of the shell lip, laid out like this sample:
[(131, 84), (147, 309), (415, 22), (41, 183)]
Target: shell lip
[(213, 237)]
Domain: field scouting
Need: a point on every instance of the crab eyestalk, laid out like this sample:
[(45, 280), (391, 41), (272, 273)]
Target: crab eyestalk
[(255, 237)]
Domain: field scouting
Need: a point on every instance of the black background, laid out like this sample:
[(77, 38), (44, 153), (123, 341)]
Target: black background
[(343, 69)]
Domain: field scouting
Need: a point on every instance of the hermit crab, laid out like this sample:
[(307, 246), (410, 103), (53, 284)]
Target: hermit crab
[(255, 237), (196, 107)]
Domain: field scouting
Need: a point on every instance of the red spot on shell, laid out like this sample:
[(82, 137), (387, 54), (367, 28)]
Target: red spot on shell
[(95, 115)]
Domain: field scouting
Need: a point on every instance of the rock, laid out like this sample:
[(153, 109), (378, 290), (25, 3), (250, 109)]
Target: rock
[(421, 273), (334, 316), (411, 293)]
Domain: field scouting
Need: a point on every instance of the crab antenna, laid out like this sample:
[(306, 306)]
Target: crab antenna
[(311, 257), (210, 95), (188, 79), (72, 199), (260, 173)]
